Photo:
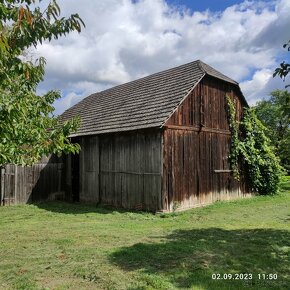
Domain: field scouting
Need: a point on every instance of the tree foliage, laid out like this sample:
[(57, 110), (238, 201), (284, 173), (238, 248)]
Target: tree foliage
[(263, 165), (253, 149), (28, 128), (234, 128), (282, 72), (274, 114), (284, 68)]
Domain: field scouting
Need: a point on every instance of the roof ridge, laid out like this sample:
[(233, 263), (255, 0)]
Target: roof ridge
[(215, 73), (199, 63), (148, 76), (85, 105)]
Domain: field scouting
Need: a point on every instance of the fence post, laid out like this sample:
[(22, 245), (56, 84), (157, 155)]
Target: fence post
[(15, 183), (2, 170)]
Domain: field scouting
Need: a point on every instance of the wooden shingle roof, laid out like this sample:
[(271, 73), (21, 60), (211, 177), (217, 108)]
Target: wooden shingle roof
[(144, 103)]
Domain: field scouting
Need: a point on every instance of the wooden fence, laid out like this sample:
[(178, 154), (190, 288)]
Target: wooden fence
[(27, 184)]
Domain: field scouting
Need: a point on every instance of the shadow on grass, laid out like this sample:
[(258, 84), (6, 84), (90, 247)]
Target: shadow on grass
[(79, 208), (188, 258)]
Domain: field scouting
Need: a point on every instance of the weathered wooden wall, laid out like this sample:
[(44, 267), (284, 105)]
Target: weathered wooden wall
[(196, 148), (25, 184), (121, 170), (206, 105), (89, 169), (130, 169)]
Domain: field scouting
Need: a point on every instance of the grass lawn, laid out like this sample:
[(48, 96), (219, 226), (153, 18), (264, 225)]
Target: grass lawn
[(69, 246)]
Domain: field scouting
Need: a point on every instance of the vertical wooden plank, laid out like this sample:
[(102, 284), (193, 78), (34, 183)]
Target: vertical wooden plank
[(68, 178), (89, 170), (2, 172), (15, 184), (164, 174)]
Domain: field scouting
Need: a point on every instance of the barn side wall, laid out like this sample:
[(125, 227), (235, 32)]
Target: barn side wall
[(131, 169), (196, 148), (121, 170)]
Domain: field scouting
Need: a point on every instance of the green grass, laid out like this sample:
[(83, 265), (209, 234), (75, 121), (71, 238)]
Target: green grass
[(69, 246)]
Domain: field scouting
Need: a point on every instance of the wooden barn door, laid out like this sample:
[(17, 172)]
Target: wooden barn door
[(75, 175), (89, 169)]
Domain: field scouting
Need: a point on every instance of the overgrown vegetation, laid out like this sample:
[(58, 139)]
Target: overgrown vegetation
[(275, 116), (27, 128), (252, 148), (285, 183), (70, 246), (234, 127)]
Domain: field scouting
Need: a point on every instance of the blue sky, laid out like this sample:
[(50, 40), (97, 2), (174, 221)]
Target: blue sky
[(196, 5), (125, 40)]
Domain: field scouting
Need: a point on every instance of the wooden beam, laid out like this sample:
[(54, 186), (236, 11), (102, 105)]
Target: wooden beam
[(128, 172), (199, 129), (222, 171)]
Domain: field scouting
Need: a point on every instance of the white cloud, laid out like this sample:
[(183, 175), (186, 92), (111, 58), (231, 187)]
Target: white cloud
[(125, 40), (261, 85), (256, 84)]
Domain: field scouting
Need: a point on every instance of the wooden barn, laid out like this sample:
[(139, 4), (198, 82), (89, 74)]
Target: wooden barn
[(158, 143)]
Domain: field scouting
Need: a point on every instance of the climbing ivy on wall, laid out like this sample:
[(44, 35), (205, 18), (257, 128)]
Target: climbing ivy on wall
[(250, 145), (234, 128)]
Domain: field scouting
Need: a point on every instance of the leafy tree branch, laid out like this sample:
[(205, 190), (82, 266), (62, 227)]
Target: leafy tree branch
[(28, 129), (284, 68)]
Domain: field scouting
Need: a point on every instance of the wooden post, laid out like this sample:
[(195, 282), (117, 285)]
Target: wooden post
[(2, 170), (15, 183)]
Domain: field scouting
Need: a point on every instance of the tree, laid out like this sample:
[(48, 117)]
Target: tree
[(284, 68), (282, 72), (272, 114), (28, 129)]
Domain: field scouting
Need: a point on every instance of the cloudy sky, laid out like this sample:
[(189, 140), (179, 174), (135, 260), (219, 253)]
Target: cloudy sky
[(128, 39)]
